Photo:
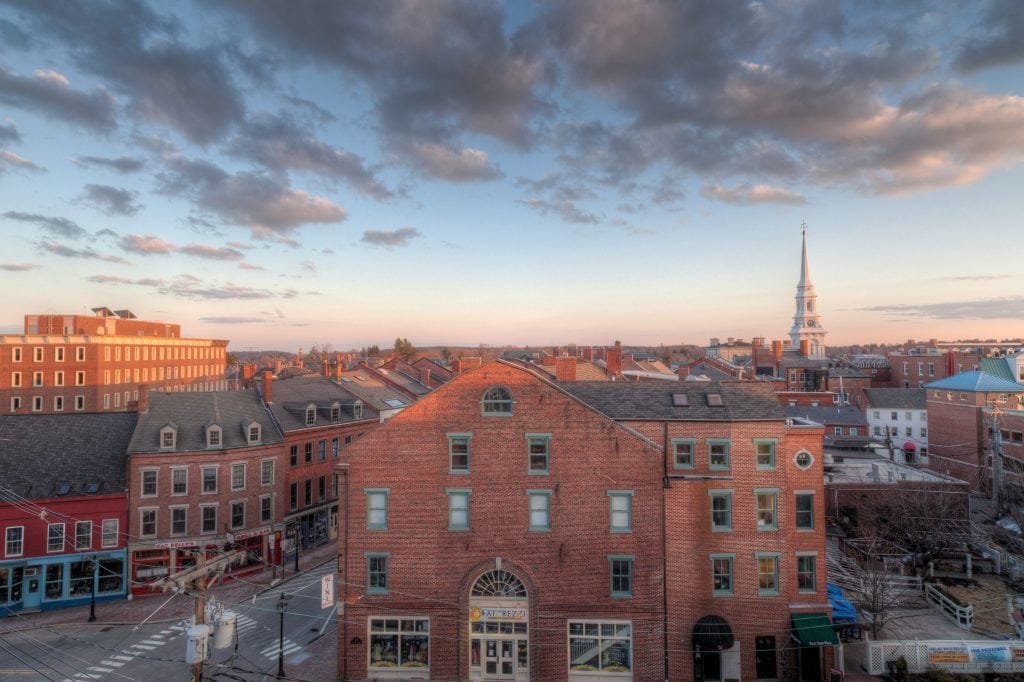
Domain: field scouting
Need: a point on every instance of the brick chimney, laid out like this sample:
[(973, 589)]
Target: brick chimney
[(805, 347), (565, 369), (548, 361), (143, 406), (614, 360), (248, 371), (777, 350), (339, 367), (425, 377), (268, 388), (683, 371), (463, 364), (588, 354)]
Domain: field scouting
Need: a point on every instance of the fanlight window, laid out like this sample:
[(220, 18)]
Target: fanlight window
[(498, 583), (497, 400)]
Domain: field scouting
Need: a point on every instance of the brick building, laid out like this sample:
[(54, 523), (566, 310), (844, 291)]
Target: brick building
[(509, 527), (203, 471), (917, 364), (63, 510), (96, 363)]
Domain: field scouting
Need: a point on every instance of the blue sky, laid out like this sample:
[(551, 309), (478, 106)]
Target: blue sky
[(460, 172)]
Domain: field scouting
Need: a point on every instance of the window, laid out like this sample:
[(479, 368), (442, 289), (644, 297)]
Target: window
[(537, 452), (622, 575), (497, 401), (267, 472), (16, 355), (149, 483), (15, 542), (213, 437), (458, 508), (109, 534), (718, 453), (458, 453), (721, 574), (15, 403), (806, 572), (80, 353), (168, 434), (178, 520), (15, 379), (58, 378), (79, 378), (682, 449), (767, 574), (37, 354), (58, 403), (293, 497), (600, 647), (293, 455), (721, 510), (254, 433), (765, 457), (335, 447), (803, 460), (377, 508), (37, 378), (621, 503), (924, 432), (766, 507), (837, 430), (308, 497), (540, 509), (310, 416), (266, 509), (179, 481), (321, 487), (376, 572), (805, 511), (237, 514), (875, 415), (209, 479), (309, 452), (37, 403), (323, 450), (209, 512), (55, 537), (147, 522), (400, 643), (335, 414), (237, 476)]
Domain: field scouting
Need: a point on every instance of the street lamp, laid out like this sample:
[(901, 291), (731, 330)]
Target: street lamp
[(92, 591), (282, 606)]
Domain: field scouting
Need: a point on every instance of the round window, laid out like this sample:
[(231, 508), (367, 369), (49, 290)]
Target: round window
[(803, 460)]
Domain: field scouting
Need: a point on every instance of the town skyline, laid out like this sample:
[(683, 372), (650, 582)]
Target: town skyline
[(459, 173)]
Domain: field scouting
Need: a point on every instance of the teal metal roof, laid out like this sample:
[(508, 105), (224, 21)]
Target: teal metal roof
[(977, 381), (997, 367)]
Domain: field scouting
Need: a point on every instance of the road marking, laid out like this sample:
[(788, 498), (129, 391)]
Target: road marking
[(116, 664), (154, 641), (98, 669), (143, 646), (272, 650)]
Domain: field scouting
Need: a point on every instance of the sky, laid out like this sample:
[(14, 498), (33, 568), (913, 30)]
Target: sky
[(284, 173)]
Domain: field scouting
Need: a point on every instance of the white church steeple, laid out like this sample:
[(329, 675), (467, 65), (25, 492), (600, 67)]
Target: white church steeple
[(806, 321)]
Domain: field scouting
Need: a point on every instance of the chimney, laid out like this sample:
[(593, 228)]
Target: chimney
[(463, 364), (425, 377), (548, 361), (248, 371), (777, 350), (268, 390), (588, 354), (683, 371), (143, 406), (614, 361), (805, 347), (278, 366), (339, 367), (325, 367), (757, 342), (565, 369)]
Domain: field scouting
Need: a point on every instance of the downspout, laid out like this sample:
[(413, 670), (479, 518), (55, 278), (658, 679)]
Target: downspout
[(343, 468), (664, 552)]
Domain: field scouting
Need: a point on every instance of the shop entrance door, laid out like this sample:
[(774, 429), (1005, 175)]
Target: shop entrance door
[(499, 659), (33, 588)]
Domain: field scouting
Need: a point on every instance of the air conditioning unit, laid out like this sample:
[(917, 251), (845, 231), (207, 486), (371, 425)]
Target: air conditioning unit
[(31, 571)]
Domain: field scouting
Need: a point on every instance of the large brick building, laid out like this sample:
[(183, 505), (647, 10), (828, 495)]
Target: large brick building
[(96, 363), (508, 527)]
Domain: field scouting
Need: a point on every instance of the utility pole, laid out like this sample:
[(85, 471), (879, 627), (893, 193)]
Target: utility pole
[(198, 579)]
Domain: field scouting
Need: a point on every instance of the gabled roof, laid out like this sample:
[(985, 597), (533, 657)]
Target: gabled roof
[(896, 398), (642, 400), (192, 412), (997, 367), (363, 383), (291, 396), (845, 415), (976, 381), (87, 452)]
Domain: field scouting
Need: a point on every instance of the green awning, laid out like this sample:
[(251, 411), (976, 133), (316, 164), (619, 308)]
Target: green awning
[(813, 629)]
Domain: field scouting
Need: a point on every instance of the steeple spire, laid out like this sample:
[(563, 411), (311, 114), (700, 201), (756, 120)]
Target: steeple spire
[(806, 321)]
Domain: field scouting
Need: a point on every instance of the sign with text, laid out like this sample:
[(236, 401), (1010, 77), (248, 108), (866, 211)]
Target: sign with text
[(498, 613), (327, 591)]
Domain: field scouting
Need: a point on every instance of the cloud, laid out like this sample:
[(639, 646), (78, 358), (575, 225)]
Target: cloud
[(18, 267), (121, 164), (389, 239), (54, 99), (87, 253), (111, 200), (250, 266), (448, 163), (19, 162), (211, 252), (308, 266), (146, 244), (188, 88), (232, 320), (264, 203), (999, 40), (9, 133), (1010, 307), (56, 226), (278, 143), (564, 209), (746, 195), (974, 278), (115, 279), (189, 288)]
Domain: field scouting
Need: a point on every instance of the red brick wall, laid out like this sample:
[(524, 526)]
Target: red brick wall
[(566, 570), (956, 437)]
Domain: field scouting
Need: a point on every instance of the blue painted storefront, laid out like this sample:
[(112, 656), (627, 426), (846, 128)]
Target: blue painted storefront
[(56, 582)]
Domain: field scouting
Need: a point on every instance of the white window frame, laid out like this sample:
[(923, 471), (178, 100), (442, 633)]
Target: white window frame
[(50, 527), (110, 532), (79, 534), (14, 541)]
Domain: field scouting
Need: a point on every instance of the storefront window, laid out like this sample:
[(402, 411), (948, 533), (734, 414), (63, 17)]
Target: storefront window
[(81, 579), (111, 575), (55, 581), (600, 647), (399, 643)]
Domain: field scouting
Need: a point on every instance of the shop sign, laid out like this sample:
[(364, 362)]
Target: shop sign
[(177, 545), (252, 533), (486, 613)]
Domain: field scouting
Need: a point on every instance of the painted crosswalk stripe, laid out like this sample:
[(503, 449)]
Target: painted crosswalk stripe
[(116, 664), (98, 669), (157, 642), (119, 657), (143, 646)]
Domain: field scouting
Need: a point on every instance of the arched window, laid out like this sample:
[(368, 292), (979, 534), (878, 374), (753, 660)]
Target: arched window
[(499, 583), (497, 400)]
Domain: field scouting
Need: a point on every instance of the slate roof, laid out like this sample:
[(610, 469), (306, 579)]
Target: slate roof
[(193, 412), (289, 398), (409, 383), (372, 391), (40, 452), (976, 381), (897, 398), (846, 415), (640, 400)]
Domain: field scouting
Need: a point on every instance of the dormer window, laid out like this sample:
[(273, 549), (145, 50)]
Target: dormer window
[(214, 437), (357, 409), (310, 415), (335, 413), (254, 433), (497, 401), (168, 437)]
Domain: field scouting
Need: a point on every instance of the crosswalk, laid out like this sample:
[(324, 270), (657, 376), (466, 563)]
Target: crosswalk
[(114, 662)]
